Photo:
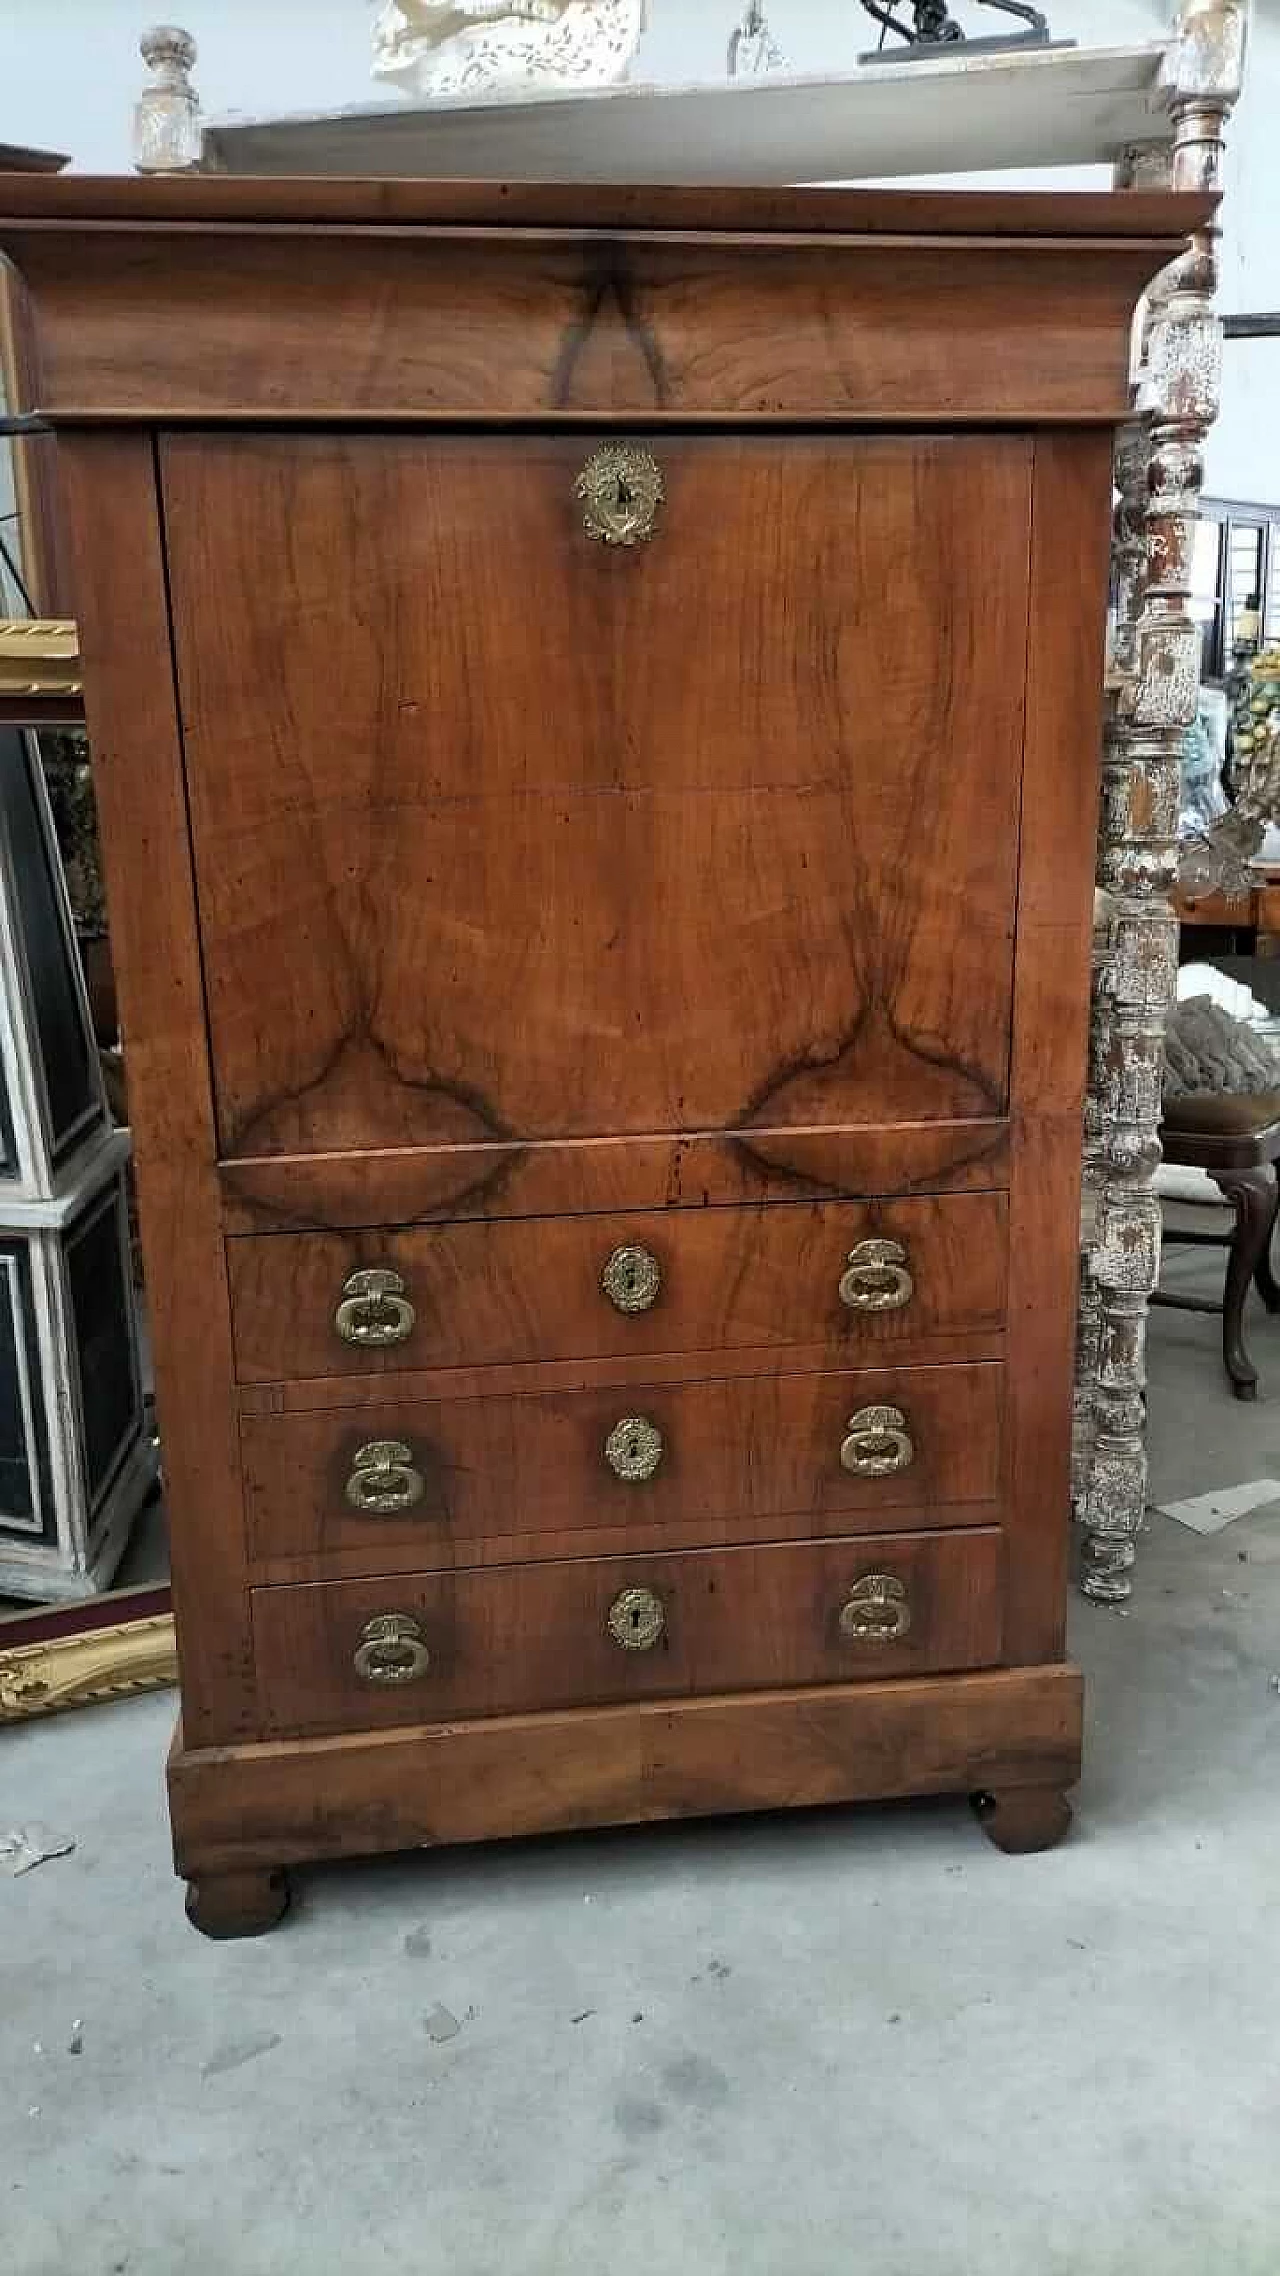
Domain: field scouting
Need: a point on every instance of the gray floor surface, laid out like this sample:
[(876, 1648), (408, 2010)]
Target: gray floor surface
[(779, 2047)]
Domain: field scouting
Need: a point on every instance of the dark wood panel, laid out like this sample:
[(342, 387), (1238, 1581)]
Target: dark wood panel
[(749, 1449), (408, 1185), (208, 200), (457, 885), (41, 710), (504, 1640), (476, 325), (109, 494), (529, 1288), (1051, 1013)]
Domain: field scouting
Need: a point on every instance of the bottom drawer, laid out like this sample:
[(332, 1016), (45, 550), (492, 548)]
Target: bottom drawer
[(347, 1655)]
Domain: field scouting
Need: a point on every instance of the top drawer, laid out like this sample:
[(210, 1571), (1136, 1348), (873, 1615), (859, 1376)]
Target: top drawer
[(846, 1279)]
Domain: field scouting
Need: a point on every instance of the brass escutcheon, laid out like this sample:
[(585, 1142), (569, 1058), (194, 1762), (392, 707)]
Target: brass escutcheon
[(392, 1650), (632, 1279), (375, 1308), (637, 1619), (876, 1278), (620, 490), (879, 1443), (383, 1478), (876, 1611), (633, 1449)]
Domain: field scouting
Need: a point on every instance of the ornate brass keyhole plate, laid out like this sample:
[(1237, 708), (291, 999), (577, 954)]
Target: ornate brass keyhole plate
[(620, 490), (632, 1279), (633, 1449), (637, 1619)]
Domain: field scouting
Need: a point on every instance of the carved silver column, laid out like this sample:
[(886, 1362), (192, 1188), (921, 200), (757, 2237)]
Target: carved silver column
[(1152, 696)]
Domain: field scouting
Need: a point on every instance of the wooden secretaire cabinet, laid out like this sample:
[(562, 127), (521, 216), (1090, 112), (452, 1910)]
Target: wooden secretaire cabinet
[(595, 698)]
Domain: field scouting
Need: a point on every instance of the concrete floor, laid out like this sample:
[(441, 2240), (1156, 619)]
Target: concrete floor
[(764, 2048)]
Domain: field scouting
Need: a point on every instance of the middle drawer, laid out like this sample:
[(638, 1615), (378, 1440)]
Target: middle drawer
[(542, 1472)]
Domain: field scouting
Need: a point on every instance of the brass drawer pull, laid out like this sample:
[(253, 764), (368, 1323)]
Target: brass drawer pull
[(879, 1443), (632, 1279), (637, 1619), (620, 490), (392, 1650), (383, 1478), (876, 1611), (634, 1449), (375, 1308), (877, 1278)]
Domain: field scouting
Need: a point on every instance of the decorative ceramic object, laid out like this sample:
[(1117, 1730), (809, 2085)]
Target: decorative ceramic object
[(437, 48), (753, 50)]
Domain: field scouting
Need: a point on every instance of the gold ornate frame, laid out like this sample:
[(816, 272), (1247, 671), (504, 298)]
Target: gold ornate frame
[(40, 684), (75, 1655)]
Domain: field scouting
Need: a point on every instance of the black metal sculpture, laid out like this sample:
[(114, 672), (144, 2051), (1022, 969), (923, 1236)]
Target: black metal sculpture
[(933, 25)]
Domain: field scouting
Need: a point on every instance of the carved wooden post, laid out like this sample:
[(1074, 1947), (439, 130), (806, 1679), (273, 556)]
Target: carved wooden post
[(166, 119), (1154, 685)]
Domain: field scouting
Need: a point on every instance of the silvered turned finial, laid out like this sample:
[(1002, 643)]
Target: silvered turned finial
[(166, 120)]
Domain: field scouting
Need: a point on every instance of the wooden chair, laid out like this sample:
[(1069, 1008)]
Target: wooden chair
[(1236, 1143)]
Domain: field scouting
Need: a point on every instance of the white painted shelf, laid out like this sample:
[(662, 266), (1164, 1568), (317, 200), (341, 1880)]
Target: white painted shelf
[(1030, 107)]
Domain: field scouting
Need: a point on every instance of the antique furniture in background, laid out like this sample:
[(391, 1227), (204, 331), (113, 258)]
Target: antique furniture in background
[(1238, 563), (1244, 920), (1220, 1140), (76, 1458), (609, 1186), (1236, 1143)]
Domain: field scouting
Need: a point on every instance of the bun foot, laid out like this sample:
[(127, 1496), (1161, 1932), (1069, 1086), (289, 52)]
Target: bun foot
[(1021, 1819), (236, 1904)]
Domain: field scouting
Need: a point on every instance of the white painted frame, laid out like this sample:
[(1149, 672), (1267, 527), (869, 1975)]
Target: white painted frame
[(89, 1541), (37, 1194)]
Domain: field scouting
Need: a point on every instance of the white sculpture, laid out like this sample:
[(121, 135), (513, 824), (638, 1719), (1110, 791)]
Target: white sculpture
[(460, 47)]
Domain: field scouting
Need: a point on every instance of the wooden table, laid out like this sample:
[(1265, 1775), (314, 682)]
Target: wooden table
[(1252, 919)]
